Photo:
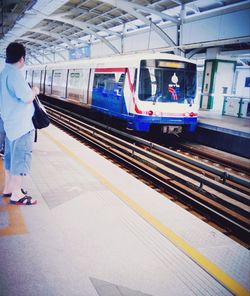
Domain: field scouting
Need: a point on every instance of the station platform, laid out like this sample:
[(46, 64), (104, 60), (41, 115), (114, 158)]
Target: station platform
[(98, 231), (223, 132), (225, 123)]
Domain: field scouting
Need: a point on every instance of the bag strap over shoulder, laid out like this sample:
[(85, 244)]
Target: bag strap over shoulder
[(35, 138)]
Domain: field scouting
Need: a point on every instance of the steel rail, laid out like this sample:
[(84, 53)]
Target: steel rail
[(224, 175), (113, 145), (228, 191)]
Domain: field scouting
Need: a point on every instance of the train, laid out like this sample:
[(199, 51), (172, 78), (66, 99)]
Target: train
[(146, 91)]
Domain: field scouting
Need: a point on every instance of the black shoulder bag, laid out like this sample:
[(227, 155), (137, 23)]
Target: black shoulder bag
[(40, 118)]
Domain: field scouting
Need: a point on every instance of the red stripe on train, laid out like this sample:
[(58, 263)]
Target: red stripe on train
[(110, 70)]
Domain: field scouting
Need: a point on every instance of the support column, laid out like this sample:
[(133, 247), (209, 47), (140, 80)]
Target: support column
[(217, 80)]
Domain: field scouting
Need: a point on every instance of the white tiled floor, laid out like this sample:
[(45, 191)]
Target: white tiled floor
[(83, 239)]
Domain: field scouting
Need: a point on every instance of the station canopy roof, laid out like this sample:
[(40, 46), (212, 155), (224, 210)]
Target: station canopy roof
[(44, 26)]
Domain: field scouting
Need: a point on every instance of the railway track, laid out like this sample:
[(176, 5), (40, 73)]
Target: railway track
[(220, 196)]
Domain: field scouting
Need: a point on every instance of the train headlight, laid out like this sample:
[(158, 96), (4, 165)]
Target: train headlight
[(150, 112), (191, 114)]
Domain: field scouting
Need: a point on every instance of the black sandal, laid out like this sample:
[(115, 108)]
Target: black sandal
[(26, 201)]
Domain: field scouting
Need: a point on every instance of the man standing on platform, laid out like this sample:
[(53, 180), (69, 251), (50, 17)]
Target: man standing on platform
[(16, 109)]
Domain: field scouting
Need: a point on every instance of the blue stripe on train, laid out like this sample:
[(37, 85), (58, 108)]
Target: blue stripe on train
[(113, 104), (142, 123), (109, 102)]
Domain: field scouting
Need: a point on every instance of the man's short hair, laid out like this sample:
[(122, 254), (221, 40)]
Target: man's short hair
[(14, 52)]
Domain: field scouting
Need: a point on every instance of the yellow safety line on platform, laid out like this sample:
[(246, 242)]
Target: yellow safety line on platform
[(199, 258)]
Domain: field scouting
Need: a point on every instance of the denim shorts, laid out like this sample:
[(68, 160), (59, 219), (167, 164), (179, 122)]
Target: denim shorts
[(18, 153)]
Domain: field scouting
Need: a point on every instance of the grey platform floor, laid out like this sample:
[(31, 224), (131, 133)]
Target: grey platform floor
[(97, 230), (224, 123)]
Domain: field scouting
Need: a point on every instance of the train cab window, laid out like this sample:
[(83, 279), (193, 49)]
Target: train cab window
[(59, 83), (168, 83)]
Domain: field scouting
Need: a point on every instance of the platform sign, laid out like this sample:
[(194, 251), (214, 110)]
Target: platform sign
[(79, 53)]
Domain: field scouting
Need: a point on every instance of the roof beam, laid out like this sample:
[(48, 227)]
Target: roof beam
[(53, 35), (138, 7), (42, 43), (164, 16), (35, 58), (85, 27), (193, 52), (32, 40), (33, 49), (131, 8), (60, 55)]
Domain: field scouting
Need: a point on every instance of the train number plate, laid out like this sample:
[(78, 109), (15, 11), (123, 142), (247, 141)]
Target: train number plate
[(172, 129)]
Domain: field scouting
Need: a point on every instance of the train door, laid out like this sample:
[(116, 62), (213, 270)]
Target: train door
[(100, 90), (77, 87), (107, 94), (130, 91), (118, 92), (48, 82), (59, 83)]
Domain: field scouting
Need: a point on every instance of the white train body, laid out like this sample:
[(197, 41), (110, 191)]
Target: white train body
[(144, 90)]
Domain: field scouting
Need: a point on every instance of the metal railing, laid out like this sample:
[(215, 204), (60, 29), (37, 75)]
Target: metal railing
[(236, 106)]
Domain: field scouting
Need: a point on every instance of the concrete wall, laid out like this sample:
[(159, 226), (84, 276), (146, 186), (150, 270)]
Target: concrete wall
[(231, 25)]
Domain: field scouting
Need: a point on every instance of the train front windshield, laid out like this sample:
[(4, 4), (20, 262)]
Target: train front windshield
[(167, 81)]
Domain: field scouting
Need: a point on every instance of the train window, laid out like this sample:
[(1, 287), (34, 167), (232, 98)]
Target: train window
[(121, 80), (109, 83), (59, 83), (145, 85), (48, 82), (104, 82), (167, 85), (75, 85)]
